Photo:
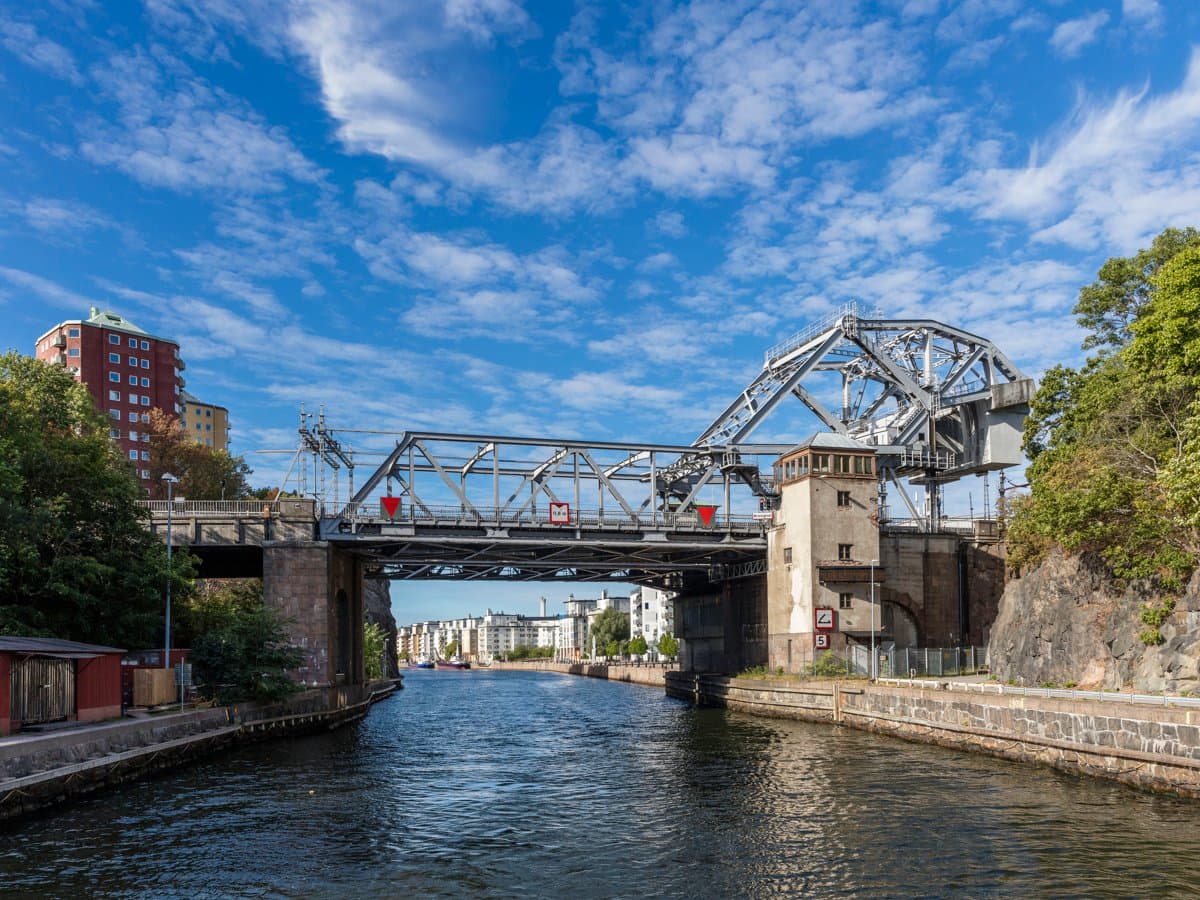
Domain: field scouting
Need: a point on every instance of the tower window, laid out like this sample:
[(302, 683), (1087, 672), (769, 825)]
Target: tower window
[(845, 551), (845, 601), (843, 498), (787, 555)]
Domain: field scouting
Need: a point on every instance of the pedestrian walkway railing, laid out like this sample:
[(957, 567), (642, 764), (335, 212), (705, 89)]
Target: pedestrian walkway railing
[(913, 661), (986, 687)]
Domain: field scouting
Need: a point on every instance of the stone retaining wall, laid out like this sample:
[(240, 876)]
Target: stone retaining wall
[(652, 675), (1149, 746)]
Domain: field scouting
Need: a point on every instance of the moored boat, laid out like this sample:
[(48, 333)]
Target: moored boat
[(422, 662), (454, 662)]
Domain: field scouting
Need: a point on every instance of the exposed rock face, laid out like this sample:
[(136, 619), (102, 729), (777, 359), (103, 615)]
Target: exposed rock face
[(1069, 621), (377, 595)]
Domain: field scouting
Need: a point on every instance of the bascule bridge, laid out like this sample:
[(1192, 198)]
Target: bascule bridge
[(756, 539)]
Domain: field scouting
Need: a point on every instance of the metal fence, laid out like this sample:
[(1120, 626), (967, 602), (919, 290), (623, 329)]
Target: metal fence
[(1055, 693), (915, 662)]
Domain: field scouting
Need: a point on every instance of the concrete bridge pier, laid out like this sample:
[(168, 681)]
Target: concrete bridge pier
[(320, 589), (722, 627)]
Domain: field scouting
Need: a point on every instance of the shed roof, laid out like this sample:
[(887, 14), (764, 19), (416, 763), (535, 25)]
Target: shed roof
[(53, 647)]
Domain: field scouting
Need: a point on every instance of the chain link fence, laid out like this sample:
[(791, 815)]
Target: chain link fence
[(916, 662)]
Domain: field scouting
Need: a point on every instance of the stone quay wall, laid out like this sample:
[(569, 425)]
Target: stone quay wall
[(1141, 744), (38, 771), (651, 674)]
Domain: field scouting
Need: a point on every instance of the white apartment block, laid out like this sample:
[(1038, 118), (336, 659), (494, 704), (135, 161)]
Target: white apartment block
[(651, 614)]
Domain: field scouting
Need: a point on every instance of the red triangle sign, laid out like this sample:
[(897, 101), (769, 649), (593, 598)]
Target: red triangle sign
[(706, 514), (389, 505)]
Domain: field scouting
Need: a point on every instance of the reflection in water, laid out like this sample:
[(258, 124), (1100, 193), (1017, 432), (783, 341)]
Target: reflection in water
[(508, 784)]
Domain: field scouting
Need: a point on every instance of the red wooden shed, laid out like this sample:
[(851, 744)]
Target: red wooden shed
[(49, 680)]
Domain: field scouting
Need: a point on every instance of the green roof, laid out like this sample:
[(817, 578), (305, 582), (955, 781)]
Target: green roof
[(109, 319)]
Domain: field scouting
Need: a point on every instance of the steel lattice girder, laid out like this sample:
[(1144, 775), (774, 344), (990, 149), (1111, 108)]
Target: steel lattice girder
[(897, 377)]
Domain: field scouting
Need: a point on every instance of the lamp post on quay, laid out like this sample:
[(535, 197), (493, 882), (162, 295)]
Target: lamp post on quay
[(170, 480), (874, 563)]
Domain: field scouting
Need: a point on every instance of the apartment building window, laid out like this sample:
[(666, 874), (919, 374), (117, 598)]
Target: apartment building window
[(133, 343), (145, 363), (114, 339), (72, 332), (133, 435), (114, 432), (114, 395), (845, 551), (133, 361), (114, 376), (72, 351), (145, 382), (145, 418), (787, 555), (145, 473), (146, 455), (114, 357), (208, 413), (177, 389), (207, 426), (133, 398), (133, 454), (145, 400), (197, 426), (845, 601), (843, 499), (133, 417), (115, 413), (145, 345)]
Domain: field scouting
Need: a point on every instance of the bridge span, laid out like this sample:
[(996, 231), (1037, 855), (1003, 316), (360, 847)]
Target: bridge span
[(894, 401)]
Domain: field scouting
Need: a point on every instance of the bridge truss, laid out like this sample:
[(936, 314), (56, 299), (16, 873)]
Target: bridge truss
[(511, 508), (936, 403)]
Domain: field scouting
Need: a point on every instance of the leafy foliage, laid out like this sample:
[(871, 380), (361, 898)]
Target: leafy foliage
[(1115, 446), (609, 627), (203, 473), (76, 558), (668, 646), (240, 649), (638, 645), (527, 651), (374, 645)]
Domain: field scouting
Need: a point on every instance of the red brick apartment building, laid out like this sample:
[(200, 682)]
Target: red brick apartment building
[(127, 371)]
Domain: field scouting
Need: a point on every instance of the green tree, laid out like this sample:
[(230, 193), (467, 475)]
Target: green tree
[(374, 644), (638, 645), (77, 560), (668, 646), (450, 649), (203, 473), (608, 627), (240, 648), (1115, 446)]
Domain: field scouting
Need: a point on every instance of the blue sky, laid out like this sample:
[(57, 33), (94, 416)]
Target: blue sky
[(571, 219)]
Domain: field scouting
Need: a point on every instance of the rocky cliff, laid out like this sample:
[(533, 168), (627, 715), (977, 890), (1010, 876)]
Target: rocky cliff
[(378, 601), (1070, 622)]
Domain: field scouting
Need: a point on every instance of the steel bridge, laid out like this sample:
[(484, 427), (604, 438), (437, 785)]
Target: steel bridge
[(935, 402)]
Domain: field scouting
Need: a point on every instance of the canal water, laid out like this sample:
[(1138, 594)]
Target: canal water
[(513, 784)]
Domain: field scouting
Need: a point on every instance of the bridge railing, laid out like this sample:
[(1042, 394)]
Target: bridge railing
[(607, 520), (208, 507)]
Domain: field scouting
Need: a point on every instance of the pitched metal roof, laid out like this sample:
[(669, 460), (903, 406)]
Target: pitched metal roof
[(52, 647), (831, 440)]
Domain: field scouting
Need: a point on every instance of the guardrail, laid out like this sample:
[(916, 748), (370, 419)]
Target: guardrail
[(210, 507), (983, 687), (430, 514)]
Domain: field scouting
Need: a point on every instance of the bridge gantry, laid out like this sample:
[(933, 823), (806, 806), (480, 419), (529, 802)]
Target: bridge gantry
[(934, 402)]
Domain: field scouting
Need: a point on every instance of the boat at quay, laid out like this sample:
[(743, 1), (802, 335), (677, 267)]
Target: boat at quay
[(454, 662)]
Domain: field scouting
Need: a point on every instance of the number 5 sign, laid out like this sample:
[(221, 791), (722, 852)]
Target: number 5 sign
[(823, 618)]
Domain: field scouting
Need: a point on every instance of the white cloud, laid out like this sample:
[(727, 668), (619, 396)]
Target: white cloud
[(1072, 36), (44, 289), (23, 41), (670, 223), (1146, 13), (1101, 179), (174, 130)]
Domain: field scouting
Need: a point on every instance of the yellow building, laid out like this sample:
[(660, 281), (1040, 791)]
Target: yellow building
[(205, 423)]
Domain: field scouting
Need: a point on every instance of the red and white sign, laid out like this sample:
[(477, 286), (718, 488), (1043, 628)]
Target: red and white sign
[(823, 618), (706, 514), (821, 641), (389, 507), (560, 513)]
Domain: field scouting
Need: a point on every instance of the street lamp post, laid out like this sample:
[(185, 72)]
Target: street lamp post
[(170, 480), (874, 563)]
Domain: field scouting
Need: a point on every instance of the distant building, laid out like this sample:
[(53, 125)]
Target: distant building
[(204, 423), (127, 371), (651, 614)]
